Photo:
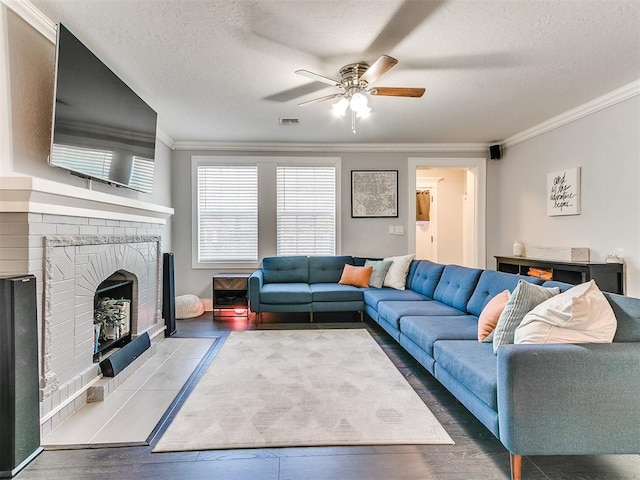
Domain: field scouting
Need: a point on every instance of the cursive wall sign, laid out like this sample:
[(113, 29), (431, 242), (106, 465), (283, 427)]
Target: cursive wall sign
[(563, 192)]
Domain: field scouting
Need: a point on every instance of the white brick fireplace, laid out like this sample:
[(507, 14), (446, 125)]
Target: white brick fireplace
[(72, 241)]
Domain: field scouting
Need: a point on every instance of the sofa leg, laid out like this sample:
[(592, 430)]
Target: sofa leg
[(361, 316), (258, 318), (516, 466), (310, 317)]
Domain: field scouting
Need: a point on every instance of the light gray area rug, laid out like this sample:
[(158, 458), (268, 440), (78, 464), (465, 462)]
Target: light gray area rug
[(301, 388)]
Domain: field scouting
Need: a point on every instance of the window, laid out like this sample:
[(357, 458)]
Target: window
[(227, 213), (245, 208), (306, 210)]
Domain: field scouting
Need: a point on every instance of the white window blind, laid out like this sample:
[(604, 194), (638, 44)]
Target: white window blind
[(306, 210), (227, 213)]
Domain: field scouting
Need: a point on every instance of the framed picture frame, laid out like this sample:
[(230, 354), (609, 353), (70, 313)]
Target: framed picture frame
[(563, 192), (374, 193)]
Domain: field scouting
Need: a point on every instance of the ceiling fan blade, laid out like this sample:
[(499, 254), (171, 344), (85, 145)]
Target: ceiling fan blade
[(407, 18), (382, 65), (321, 99), (318, 78), (397, 91)]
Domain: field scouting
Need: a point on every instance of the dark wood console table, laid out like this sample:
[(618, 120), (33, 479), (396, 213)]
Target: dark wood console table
[(608, 276)]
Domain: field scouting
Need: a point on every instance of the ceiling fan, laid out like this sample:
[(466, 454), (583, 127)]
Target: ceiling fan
[(356, 81)]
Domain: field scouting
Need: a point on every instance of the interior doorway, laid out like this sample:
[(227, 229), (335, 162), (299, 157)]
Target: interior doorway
[(455, 231)]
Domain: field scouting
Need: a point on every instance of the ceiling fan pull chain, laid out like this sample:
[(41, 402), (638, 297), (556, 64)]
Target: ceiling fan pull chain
[(353, 122)]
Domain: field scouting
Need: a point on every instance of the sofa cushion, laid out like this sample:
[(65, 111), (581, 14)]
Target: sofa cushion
[(373, 296), (582, 314), (522, 300), (285, 293), (294, 269), (473, 364), (327, 269), (627, 311), (379, 269), (392, 311), (456, 286), (425, 331), (355, 276), (424, 278), (334, 292), (490, 284)]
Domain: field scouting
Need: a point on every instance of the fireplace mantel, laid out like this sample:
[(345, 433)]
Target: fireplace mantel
[(38, 195)]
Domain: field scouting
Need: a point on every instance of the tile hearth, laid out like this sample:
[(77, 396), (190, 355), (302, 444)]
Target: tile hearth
[(132, 411)]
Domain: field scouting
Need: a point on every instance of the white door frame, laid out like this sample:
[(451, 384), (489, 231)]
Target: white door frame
[(479, 167)]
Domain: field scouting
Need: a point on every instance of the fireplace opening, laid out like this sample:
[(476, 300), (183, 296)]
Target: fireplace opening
[(112, 310)]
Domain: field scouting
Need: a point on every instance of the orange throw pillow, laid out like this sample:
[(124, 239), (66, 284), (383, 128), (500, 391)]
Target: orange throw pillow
[(356, 276), (490, 313)]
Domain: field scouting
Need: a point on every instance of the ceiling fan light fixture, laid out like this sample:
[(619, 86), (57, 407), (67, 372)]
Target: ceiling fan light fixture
[(340, 107), (364, 113), (358, 103)]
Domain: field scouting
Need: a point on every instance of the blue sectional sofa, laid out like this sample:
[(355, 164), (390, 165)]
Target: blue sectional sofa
[(543, 399)]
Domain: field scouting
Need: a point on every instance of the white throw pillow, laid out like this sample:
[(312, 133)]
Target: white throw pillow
[(397, 274), (581, 314)]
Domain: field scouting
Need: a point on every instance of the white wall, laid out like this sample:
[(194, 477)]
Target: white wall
[(606, 145)]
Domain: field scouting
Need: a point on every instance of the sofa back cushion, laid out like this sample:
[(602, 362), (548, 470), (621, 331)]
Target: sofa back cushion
[(294, 269), (456, 286), (627, 312), (327, 269), (492, 283), (424, 276)]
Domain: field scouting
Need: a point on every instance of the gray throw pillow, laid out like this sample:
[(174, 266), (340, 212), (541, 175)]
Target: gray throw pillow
[(379, 271), (524, 298)]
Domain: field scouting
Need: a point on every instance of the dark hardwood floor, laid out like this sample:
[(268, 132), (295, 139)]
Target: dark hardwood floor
[(476, 455)]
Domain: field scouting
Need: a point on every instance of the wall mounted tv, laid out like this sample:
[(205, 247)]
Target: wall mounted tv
[(101, 129)]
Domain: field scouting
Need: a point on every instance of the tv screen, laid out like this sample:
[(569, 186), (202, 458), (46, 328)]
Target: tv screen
[(101, 128)]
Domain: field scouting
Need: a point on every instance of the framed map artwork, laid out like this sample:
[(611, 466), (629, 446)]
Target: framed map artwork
[(374, 193)]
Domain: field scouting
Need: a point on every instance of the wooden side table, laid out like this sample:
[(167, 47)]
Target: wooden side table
[(230, 295)]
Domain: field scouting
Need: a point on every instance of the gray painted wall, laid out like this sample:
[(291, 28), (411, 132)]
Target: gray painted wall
[(359, 236), (606, 145)]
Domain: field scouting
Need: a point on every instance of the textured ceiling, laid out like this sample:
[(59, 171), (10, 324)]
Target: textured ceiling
[(224, 70)]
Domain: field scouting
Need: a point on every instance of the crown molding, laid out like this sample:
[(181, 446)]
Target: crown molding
[(164, 137), (332, 147), (616, 96), (34, 17)]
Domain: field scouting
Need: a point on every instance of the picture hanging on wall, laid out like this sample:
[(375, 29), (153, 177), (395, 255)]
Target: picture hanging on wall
[(563, 192), (374, 193)]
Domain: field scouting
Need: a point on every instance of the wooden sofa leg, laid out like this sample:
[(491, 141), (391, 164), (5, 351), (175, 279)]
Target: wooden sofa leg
[(258, 318), (310, 317), (361, 316), (516, 466)]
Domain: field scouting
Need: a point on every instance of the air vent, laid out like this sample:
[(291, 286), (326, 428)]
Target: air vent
[(289, 122)]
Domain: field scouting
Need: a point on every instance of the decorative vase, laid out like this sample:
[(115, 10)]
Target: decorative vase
[(518, 248)]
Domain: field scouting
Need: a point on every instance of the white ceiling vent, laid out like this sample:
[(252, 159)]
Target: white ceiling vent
[(289, 122)]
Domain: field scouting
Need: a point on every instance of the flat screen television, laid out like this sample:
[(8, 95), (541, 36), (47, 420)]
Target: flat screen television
[(101, 128)]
